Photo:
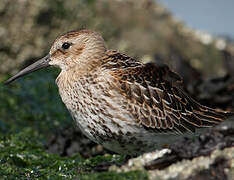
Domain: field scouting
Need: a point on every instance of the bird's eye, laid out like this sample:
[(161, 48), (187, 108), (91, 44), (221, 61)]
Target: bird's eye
[(66, 45)]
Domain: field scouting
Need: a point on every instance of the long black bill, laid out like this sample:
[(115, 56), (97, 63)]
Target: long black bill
[(41, 63)]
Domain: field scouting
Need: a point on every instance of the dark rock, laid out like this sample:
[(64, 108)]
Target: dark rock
[(69, 141)]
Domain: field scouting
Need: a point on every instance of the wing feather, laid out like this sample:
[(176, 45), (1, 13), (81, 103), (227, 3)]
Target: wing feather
[(156, 100)]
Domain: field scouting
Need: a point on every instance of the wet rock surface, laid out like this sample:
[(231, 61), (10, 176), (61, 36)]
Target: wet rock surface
[(69, 141), (211, 156), (217, 138), (219, 165)]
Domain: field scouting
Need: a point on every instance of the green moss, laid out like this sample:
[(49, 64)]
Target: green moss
[(33, 102), (22, 156)]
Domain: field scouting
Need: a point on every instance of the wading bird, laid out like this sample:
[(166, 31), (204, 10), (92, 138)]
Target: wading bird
[(118, 102)]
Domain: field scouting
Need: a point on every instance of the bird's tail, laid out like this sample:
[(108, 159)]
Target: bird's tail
[(207, 117), (199, 116), (210, 117)]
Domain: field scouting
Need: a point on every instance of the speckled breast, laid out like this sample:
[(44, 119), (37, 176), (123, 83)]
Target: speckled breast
[(101, 114)]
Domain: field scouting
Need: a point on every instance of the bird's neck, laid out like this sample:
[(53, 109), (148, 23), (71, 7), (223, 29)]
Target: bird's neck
[(67, 78)]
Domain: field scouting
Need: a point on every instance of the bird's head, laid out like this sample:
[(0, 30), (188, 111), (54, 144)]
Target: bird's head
[(80, 49)]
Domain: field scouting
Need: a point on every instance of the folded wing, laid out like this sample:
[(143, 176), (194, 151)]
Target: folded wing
[(157, 102)]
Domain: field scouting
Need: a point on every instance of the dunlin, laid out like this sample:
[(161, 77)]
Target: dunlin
[(118, 102)]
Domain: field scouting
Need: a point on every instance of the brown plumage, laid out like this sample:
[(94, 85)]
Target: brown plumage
[(126, 106), (156, 100)]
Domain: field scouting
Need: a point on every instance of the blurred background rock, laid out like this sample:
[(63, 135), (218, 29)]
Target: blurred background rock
[(141, 29)]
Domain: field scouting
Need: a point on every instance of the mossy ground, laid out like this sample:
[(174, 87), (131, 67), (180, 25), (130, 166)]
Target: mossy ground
[(22, 157)]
